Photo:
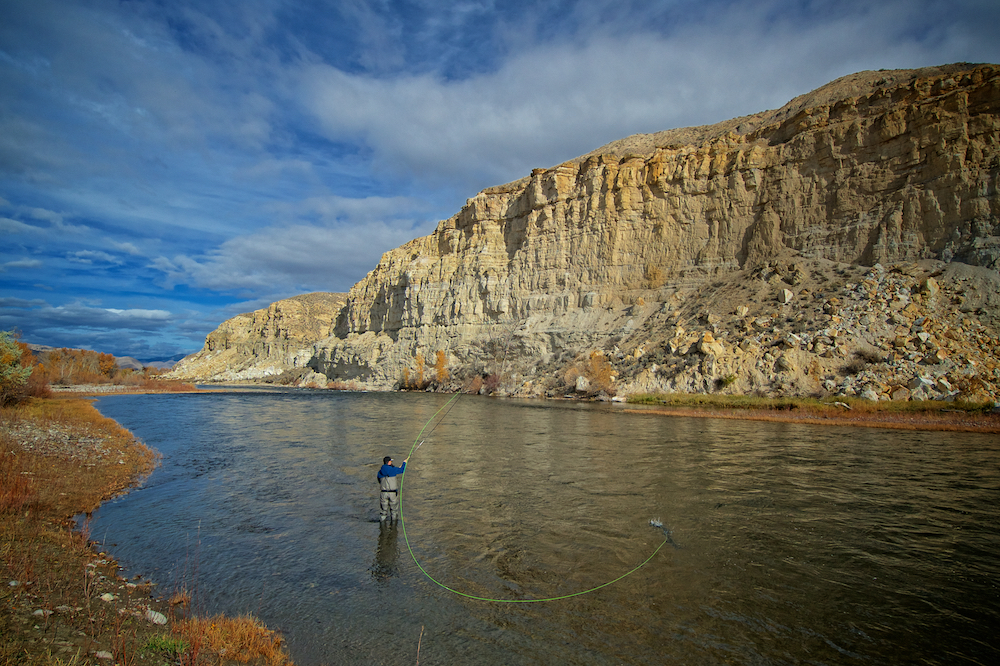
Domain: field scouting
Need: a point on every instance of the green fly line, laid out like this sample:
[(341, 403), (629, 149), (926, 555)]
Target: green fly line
[(416, 445)]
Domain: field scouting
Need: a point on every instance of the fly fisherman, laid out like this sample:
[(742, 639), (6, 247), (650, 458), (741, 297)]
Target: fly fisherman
[(389, 489)]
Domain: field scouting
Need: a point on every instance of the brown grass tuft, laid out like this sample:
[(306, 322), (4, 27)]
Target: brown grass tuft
[(16, 488), (181, 598), (244, 639)]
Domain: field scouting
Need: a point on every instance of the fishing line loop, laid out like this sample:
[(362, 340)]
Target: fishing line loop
[(417, 443)]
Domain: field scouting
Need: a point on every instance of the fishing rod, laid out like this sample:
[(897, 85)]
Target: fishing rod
[(413, 448)]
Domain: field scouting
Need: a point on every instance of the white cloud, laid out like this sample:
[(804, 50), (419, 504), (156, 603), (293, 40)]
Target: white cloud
[(10, 226), (91, 256), (139, 314), (82, 315), (55, 222), (125, 246), (21, 263), (334, 209), (326, 242), (20, 303), (287, 258)]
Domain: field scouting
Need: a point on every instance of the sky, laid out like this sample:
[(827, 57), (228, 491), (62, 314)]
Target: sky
[(168, 164)]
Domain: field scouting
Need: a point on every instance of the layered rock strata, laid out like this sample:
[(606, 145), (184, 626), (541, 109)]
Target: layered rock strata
[(578, 265), (264, 343)]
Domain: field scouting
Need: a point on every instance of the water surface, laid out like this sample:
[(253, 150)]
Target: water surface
[(789, 543)]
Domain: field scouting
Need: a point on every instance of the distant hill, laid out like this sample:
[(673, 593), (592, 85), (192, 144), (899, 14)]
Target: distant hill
[(266, 343)]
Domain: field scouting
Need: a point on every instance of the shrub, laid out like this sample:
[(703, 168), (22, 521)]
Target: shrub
[(492, 383), (600, 372), (723, 382), (38, 385), (596, 369), (474, 385), (13, 374), (440, 369), (165, 645), (868, 356)]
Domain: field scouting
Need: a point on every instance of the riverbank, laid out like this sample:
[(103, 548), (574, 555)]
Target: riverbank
[(63, 599), (945, 422), (112, 389), (925, 415)]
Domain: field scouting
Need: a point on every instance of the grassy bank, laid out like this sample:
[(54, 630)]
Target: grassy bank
[(63, 600), (909, 415)]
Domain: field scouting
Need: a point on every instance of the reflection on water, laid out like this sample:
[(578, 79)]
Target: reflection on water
[(386, 564), (795, 543)]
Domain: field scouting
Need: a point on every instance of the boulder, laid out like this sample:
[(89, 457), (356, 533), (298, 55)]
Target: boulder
[(708, 345)]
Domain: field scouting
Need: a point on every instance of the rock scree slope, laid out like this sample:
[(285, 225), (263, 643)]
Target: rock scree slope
[(845, 244)]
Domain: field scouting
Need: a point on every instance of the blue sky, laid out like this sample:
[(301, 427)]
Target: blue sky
[(165, 165)]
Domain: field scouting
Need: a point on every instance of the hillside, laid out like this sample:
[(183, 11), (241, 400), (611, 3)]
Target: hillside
[(265, 343), (845, 244)]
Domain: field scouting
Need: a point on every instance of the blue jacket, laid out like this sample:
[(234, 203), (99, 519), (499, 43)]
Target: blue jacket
[(387, 476)]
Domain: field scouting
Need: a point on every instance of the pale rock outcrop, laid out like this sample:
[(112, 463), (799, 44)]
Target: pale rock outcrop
[(264, 343), (643, 242)]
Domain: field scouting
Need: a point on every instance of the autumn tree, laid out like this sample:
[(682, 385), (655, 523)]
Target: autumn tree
[(78, 366), (600, 371), (107, 365), (13, 375), (441, 372)]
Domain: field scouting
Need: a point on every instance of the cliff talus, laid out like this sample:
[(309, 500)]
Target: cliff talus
[(646, 241)]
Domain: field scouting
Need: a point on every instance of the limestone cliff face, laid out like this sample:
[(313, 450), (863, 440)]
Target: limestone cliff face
[(263, 343), (877, 168)]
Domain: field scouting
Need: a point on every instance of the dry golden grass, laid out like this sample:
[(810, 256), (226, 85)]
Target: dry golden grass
[(181, 598), (16, 488), (243, 639), (158, 385), (50, 469), (70, 476)]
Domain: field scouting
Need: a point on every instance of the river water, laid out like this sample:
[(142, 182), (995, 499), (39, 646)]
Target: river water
[(788, 544)]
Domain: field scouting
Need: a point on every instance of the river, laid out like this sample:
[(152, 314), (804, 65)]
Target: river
[(781, 543)]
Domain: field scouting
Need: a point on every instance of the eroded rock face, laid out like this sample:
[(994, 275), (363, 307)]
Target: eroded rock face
[(878, 168), (264, 343)]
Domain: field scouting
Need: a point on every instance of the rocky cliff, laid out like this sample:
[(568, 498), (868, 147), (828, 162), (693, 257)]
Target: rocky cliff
[(790, 251), (265, 343)]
